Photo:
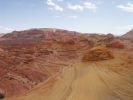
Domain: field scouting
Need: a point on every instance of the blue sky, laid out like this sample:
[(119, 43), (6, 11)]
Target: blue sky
[(92, 16)]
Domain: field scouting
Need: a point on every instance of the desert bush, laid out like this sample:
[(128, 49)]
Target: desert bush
[(98, 53)]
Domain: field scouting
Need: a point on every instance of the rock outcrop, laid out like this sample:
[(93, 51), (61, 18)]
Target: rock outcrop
[(115, 44), (30, 57), (97, 53)]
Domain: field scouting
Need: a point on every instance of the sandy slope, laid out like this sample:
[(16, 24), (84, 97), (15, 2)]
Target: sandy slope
[(89, 81), (94, 83)]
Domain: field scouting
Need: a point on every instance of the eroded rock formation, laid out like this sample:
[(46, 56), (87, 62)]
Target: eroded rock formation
[(98, 53)]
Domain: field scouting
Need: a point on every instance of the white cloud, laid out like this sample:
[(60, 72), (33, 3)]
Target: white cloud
[(59, 5), (128, 7), (54, 6), (90, 5), (81, 7), (75, 7), (5, 29)]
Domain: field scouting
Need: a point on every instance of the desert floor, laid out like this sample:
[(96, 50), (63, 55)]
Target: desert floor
[(103, 80)]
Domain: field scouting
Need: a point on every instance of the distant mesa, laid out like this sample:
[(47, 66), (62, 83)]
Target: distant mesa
[(34, 35)]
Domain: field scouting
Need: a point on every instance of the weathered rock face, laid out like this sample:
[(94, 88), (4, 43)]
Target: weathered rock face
[(30, 57), (115, 44), (23, 37), (97, 53)]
